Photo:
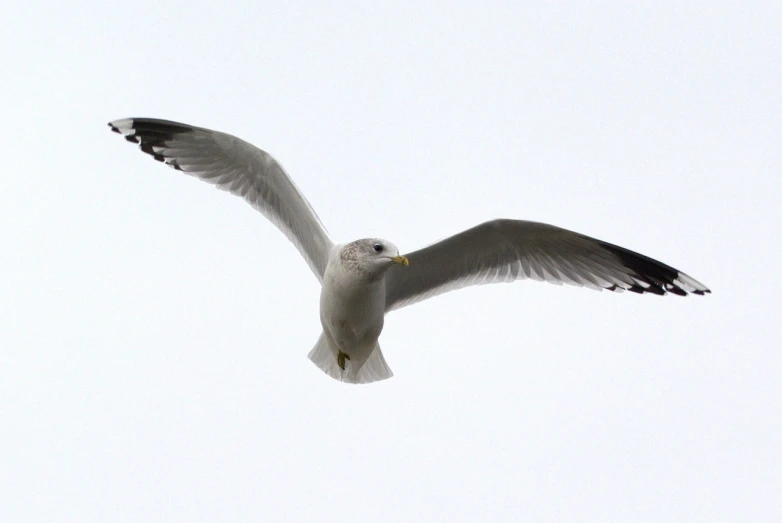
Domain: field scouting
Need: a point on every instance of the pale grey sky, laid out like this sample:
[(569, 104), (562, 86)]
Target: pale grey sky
[(154, 330)]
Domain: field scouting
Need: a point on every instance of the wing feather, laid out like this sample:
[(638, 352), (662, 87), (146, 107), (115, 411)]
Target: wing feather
[(239, 168), (509, 250)]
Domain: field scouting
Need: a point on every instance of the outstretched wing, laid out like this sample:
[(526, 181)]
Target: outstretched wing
[(509, 250), (239, 168)]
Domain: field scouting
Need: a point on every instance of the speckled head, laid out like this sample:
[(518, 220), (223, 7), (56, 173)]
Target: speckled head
[(371, 256)]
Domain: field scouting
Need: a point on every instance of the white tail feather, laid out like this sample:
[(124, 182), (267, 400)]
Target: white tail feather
[(324, 356)]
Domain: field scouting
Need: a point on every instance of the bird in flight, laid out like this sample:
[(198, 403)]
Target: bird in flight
[(363, 280)]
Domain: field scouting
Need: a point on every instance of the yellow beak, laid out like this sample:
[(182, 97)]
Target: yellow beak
[(401, 260)]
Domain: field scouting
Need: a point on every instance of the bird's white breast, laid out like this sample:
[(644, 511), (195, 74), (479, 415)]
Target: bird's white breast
[(351, 309)]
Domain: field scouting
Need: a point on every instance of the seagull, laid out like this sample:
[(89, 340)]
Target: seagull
[(363, 280)]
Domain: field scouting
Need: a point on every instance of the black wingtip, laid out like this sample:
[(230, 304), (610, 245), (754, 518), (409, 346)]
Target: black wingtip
[(653, 288), (152, 136), (147, 148), (675, 290), (652, 276)]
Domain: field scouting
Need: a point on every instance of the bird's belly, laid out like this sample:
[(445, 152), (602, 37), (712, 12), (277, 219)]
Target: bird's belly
[(352, 334), (353, 322)]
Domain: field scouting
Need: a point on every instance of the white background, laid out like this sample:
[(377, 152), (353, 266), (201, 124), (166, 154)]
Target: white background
[(154, 331)]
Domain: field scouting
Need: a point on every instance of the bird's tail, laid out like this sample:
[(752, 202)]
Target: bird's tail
[(375, 368)]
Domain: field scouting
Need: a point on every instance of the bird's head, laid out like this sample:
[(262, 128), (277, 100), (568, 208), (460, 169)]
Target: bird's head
[(372, 256)]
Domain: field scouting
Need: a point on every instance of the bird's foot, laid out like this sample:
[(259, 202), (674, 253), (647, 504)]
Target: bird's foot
[(341, 357)]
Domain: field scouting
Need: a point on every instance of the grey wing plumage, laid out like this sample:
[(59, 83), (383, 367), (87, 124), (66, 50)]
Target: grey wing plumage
[(509, 250), (239, 168)]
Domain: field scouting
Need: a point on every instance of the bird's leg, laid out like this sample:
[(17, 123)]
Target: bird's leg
[(341, 357)]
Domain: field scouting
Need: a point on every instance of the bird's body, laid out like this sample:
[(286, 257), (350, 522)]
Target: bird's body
[(362, 281), (352, 309)]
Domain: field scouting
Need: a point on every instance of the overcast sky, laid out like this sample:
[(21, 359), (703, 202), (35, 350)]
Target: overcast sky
[(154, 330)]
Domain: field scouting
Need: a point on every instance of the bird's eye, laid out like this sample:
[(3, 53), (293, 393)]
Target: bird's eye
[(378, 247)]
